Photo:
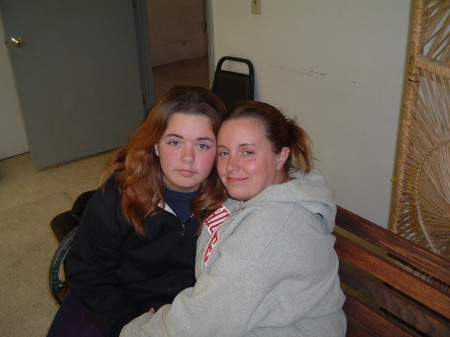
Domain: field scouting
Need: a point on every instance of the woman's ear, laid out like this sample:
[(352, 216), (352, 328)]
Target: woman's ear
[(156, 149), (282, 157)]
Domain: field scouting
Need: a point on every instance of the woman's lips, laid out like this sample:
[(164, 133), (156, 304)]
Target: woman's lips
[(235, 179)]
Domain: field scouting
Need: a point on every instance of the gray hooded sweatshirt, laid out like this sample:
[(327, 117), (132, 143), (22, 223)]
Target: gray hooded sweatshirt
[(265, 267)]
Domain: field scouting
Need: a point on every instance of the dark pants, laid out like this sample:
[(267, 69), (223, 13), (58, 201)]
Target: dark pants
[(71, 321)]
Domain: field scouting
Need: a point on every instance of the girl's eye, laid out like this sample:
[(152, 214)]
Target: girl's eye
[(174, 142), (203, 146)]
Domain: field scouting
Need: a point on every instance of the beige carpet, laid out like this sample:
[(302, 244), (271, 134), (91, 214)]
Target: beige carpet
[(26, 248), (29, 199)]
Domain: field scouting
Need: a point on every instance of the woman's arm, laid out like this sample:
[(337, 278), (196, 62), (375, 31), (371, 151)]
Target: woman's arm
[(259, 276)]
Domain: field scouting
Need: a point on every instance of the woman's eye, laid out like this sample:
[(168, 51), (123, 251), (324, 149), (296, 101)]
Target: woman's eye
[(174, 142), (248, 153), (222, 153)]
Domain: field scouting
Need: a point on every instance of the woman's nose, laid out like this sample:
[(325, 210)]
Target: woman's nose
[(232, 164)]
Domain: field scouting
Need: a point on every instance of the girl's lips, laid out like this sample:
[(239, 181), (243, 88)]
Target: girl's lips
[(186, 173)]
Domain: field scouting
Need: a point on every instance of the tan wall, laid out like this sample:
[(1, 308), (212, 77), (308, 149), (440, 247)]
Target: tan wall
[(177, 30)]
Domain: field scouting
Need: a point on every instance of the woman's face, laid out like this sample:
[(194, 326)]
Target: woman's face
[(187, 151), (246, 163)]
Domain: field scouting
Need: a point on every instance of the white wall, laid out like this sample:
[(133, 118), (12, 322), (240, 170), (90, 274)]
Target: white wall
[(13, 140), (338, 66)]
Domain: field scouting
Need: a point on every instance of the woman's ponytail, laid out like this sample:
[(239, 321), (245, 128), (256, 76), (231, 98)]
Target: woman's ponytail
[(300, 145)]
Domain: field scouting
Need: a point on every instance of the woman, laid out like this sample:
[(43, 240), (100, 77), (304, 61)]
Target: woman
[(265, 264), (135, 248)]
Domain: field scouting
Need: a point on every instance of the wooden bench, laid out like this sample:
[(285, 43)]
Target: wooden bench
[(393, 286)]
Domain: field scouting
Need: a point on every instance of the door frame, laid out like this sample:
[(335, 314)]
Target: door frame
[(143, 42)]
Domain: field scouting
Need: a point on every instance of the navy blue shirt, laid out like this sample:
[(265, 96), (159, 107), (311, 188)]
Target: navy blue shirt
[(180, 202)]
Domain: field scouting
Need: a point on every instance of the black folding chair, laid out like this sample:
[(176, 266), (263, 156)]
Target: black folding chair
[(232, 86)]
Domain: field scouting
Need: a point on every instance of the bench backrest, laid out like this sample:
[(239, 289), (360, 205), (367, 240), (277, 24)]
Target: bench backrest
[(393, 286)]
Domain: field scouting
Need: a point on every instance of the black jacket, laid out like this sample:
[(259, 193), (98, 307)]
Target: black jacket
[(117, 274)]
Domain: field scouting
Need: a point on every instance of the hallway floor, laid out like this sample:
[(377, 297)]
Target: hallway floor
[(189, 72), (30, 198)]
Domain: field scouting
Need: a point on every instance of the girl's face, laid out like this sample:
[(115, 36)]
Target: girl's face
[(246, 162), (187, 151)]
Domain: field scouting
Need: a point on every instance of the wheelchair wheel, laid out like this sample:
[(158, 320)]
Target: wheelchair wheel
[(58, 285)]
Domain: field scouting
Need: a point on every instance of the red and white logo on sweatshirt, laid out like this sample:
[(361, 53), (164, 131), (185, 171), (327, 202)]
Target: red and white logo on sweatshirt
[(212, 223)]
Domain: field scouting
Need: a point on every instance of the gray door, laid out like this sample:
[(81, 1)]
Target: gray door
[(77, 74)]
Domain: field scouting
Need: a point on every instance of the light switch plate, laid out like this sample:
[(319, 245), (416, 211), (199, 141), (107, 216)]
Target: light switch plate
[(256, 6)]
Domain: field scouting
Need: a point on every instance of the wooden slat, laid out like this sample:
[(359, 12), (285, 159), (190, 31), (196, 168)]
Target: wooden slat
[(417, 256), (394, 302), (380, 324), (354, 329), (399, 278)]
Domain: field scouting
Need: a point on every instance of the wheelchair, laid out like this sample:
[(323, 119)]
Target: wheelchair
[(65, 228)]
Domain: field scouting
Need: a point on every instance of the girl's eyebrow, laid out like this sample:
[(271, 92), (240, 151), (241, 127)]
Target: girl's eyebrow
[(181, 137), (173, 135), (206, 138)]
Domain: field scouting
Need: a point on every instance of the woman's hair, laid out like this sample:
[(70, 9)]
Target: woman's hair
[(137, 167), (279, 130)]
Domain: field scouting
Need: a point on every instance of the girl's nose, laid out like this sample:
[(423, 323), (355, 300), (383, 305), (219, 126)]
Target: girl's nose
[(187, 155)]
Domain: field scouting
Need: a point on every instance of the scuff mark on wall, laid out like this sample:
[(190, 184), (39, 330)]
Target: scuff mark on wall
[(312, 73)]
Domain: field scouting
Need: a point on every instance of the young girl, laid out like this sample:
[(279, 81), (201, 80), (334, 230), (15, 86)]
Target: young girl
[(266, 265), (135, 248)]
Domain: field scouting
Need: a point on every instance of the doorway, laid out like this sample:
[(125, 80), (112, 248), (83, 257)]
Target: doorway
[(178, 44), (179, 53)]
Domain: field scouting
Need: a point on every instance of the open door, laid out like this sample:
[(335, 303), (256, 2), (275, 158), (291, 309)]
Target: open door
[(76, 67)]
